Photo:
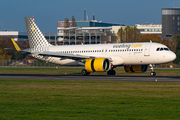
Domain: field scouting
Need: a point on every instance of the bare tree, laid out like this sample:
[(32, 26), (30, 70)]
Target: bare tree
[(66, 25), (128, 34), (73, 22)]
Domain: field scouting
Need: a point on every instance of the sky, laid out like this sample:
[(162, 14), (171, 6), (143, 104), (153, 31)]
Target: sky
[(48, 12)]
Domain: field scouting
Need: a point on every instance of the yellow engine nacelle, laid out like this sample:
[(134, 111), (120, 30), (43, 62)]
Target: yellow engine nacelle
[(136, 68), (97, 65)]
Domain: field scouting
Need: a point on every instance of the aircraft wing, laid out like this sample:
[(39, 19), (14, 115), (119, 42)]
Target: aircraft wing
[(63, 55), (53, 54)]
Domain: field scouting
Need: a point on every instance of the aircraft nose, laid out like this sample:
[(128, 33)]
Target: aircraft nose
[(172, 56)]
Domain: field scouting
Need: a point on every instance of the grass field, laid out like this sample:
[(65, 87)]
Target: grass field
[(77, 71), (88, 100)]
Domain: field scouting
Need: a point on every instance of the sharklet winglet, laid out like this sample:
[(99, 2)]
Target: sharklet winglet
[(15, 45)]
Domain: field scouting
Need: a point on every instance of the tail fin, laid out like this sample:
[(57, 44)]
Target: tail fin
[(35, 36), (15, 45)]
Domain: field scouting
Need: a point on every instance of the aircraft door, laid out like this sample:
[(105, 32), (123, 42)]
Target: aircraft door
[(147, 50)]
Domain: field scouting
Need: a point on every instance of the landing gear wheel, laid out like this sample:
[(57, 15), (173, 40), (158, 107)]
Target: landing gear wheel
[(153, 73), (111, 72), (84, 72)]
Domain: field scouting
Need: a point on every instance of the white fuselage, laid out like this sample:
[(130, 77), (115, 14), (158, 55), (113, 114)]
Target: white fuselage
[(119, 53)]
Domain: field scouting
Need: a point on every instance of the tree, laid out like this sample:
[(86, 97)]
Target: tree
[(10, 54), (120, 36), (73, 22), (128, 34), (168, 43), (177, 60), (174, 43), (148, 37), (66, 24), (3, 53)]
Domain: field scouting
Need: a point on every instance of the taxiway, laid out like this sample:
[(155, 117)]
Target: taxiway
[(92, 77)]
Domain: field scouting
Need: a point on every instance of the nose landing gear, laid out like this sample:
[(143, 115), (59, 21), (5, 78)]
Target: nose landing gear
[(152, 73)]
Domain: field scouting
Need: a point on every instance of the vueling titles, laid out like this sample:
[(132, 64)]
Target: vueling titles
[(127, 46)]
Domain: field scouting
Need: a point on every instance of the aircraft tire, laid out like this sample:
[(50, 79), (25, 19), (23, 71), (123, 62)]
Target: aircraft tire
[(111, 72), (84, 72), (153, 73)]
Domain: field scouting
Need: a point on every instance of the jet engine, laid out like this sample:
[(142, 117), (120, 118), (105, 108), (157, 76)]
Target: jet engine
[(97, 65), (136, 68)]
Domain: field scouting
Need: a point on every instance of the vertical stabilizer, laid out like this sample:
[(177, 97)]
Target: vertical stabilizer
[(35, 36)]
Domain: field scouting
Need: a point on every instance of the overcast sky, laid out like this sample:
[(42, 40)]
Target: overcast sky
[(48, 12)]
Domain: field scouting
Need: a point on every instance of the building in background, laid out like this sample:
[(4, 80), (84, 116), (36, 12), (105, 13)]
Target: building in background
[(170, 22), (86, 32), (14, 34), (85, 35), (22, 36), (150, 28), (92, 23)]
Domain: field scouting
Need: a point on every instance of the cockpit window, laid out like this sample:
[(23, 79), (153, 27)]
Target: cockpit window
[(167, 49), (162, 49)]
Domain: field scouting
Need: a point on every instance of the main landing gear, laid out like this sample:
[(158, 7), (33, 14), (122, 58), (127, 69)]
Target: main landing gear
[(111, 71), (152, 73), (84, 72)]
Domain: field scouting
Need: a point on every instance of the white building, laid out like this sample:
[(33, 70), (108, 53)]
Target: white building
[(22, 36), (150, 29), (85, 35), (144, 29), (16, 35)]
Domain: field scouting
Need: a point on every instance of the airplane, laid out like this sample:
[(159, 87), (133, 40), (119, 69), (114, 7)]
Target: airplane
[(135, 57)]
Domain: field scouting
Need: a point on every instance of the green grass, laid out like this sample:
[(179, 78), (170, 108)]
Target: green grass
[(81, 100), (77, 71)]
